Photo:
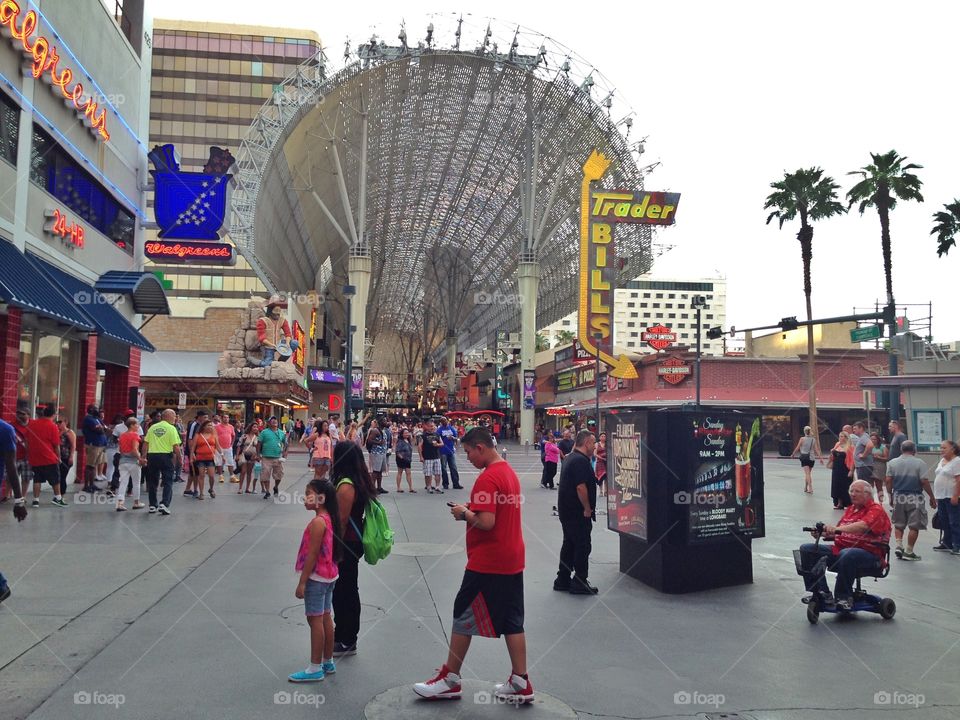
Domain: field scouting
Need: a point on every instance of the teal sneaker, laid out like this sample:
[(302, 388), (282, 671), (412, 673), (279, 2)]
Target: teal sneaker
[(303, 676), (329, 668)]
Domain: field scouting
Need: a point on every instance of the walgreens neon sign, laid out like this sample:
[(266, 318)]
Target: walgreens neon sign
[(43, 64), (208, 252)]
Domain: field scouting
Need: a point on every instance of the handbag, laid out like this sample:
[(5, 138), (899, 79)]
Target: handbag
[(935, 522)]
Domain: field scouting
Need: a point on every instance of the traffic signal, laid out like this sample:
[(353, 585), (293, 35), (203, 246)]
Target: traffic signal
[(789, 323), (903, 325), (715, 333), (889, 315)]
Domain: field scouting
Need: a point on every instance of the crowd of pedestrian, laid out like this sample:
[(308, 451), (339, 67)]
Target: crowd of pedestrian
[(888, 465)]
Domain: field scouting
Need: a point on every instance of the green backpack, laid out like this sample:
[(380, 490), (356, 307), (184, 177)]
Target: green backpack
[(377, 537)]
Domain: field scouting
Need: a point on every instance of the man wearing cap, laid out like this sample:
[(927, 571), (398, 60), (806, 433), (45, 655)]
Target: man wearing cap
[(95, 446), (272, 329)]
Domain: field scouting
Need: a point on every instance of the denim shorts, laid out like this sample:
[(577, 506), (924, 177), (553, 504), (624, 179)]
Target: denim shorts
[(318, 597)]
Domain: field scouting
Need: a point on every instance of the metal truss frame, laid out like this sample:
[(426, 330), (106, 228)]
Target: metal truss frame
[(474, 147)]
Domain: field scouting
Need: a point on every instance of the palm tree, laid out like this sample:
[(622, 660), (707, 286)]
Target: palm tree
[(947, 227), (884, 182), (541, 343), (811, 196), (564, 337)]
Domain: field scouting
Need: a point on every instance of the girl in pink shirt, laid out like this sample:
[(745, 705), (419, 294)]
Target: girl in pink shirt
[(317, 564)]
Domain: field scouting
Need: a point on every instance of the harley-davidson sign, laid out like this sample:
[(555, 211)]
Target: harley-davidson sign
[(659, 337), (673, 371)]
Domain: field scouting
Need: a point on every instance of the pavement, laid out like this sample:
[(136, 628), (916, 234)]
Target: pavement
[(117, 615)]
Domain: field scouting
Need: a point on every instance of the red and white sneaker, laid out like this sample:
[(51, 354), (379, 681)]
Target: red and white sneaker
[(445, 686), (515, 690)]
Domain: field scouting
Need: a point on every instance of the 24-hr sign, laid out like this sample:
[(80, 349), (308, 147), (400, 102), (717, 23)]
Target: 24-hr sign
[(659, 337)]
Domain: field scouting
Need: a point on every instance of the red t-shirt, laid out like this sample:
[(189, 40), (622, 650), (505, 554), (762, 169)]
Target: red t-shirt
[(128, 442), (876, 519), (43, 442), (499, 551), (225, 434)]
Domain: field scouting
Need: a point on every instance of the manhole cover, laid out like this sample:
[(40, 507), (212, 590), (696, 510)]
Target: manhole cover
[(478, 701), (415, 549)]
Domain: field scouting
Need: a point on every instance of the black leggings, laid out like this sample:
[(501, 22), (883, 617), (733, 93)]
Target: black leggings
[(346, 595), (549, 473)]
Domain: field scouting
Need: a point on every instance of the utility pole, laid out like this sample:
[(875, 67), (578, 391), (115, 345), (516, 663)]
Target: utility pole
[(698, 303)]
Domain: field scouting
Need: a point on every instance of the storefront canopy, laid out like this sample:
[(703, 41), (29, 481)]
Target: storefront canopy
[(104, 317), (145, 288), (23, 285)]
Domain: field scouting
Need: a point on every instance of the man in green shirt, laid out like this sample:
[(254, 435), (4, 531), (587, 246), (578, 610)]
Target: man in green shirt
[(161, 447), (272, 451)]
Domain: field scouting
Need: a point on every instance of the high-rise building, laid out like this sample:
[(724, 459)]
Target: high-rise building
[(209, 81), (649, 301)]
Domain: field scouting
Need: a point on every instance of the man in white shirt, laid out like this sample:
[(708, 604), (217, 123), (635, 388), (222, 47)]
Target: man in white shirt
[(332, 427)]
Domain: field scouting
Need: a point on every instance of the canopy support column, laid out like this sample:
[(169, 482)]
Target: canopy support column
[(528, 280)]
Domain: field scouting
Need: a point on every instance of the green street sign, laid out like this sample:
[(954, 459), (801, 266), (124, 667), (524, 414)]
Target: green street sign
[(867, 332)]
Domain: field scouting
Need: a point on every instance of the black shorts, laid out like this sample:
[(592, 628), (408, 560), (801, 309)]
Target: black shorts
[(46, 473), (489, 605), (806, 461), (403, 464), (202, 465)]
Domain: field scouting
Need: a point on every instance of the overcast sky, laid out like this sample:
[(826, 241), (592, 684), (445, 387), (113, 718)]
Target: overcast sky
[(733, 94)]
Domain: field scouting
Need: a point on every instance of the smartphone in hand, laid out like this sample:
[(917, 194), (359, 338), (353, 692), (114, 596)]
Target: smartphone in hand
[(451, 504)]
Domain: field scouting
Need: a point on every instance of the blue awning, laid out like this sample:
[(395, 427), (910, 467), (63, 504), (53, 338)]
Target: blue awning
[(106, 319), (145, 288), (26, 287)]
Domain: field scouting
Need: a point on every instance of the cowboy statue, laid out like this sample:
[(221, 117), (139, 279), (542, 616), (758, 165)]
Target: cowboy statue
[(273, 333)]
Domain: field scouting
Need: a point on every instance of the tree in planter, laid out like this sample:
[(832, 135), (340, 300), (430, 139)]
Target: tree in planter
[(809, 195), (564, 337), (542, 342)]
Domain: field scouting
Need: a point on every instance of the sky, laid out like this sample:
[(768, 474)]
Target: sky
[(732, 95)]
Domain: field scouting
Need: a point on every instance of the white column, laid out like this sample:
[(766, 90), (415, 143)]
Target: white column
[(359, 268), (24, 153), (528, 280)]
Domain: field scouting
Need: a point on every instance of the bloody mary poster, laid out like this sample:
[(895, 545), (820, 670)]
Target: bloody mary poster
[(626, 475), (725, 495)]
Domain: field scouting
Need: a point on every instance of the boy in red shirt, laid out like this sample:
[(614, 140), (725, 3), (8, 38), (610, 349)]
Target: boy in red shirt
[(490, 601), (43, 454)]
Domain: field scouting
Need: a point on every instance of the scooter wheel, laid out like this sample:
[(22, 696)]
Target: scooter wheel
[(887, 608), (813, 611)]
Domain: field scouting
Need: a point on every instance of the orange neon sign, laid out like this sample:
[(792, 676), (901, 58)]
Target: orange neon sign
[(44, 66)]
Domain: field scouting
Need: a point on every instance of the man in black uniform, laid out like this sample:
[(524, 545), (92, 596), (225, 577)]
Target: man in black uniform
[(576, 505)]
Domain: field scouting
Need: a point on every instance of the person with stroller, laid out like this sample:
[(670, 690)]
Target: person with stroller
[(860, 541)]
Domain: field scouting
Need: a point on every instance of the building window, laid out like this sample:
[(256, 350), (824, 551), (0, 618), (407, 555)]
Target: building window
[(634, 314), (211, 283), (633, 335), (60, 175), (681, 325), (709, 316), (256, 69), (646, 296), (659, 296), (672, 315), (656, 305), (668, 305), (671, 296), (565, 323), (9, 129)]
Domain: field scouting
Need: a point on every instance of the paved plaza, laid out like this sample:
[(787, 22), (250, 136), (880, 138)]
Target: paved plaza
[(194, 615)]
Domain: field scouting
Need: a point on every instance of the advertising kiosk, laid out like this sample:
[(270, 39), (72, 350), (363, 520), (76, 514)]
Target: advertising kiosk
[(686, 496)]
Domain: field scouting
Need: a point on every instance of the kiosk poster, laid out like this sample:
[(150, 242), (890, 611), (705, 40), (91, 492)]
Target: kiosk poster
[(726, 496), (626, 481)]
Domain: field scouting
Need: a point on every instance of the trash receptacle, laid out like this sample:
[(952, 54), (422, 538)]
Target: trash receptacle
[(784, 448)]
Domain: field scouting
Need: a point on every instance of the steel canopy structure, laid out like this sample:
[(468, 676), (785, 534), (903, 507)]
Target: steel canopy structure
[(469, 146)]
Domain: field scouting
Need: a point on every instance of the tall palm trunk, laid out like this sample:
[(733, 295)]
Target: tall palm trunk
[(805, 236), (883, 210)]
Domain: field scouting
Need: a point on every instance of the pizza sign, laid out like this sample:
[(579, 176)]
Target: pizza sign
[(659, 337), (673, 371)]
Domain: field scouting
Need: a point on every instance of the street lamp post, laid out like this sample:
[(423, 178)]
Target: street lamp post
[(348, 292), (597, 337), (698, 302)]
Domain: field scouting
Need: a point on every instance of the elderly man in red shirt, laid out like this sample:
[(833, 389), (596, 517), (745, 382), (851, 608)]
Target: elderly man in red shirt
[(859, 543)]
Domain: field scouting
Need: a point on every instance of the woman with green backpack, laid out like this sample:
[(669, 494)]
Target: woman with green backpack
[(354, 488)]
